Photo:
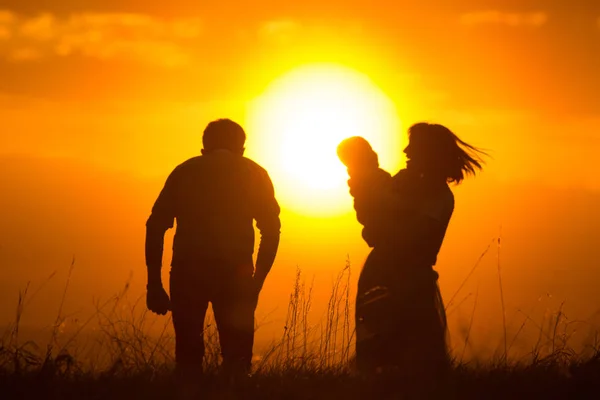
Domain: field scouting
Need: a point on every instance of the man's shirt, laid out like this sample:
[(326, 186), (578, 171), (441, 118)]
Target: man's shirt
[(215, 198)]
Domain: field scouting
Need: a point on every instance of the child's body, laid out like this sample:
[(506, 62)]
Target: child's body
[(368, 183)]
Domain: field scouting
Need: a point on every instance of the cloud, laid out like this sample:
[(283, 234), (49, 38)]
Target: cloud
[(533, 19), (25, 54), (6, 20), (286, 31), (98, 35), (280, 31), (5, 33), (6, 17), (43, 27)]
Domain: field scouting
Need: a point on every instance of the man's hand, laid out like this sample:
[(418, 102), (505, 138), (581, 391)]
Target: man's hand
[(157, 299), (256, 287)]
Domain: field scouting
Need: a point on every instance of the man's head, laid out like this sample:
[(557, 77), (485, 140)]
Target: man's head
[(223, 134)]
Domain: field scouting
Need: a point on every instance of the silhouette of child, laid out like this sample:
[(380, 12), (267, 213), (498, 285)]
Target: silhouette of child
[(368, 183)]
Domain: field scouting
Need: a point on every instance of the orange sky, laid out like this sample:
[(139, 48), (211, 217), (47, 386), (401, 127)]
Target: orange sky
[(99, 100)]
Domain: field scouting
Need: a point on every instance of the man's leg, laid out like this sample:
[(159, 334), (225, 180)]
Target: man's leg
[(234, 308), (189, 307)]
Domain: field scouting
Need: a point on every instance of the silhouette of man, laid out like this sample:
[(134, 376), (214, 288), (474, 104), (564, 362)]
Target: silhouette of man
[(215, 198)]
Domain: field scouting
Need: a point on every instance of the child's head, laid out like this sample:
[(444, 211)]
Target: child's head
[(356, 153)]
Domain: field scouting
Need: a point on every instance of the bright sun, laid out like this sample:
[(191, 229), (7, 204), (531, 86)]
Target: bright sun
[(298, 123)]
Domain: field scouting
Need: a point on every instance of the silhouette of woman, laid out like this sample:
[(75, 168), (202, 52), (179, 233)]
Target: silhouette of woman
[(400, 317)]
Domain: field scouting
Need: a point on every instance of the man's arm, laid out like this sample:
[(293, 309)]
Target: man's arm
[(269, 226), (161, 219)]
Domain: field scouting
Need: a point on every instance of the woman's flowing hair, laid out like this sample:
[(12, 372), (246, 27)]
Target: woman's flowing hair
[(448, 154)]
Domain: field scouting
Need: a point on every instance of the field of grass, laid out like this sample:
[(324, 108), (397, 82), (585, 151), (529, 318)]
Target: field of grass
[(309, 361)]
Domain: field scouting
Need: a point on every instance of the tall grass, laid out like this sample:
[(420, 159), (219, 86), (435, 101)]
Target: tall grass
[(303, 346), (316, 353), (122, 339)]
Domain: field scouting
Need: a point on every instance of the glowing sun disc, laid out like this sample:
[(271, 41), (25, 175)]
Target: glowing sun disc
[(300, 119)]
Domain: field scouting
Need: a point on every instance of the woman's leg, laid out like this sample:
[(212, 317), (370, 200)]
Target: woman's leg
[(364, 338), (373, 314), (425, 349)]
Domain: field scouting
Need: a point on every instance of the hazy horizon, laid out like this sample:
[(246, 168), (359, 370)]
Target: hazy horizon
[(100, 100)]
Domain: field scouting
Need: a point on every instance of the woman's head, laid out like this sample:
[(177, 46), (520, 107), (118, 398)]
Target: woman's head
[(435, 150)]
